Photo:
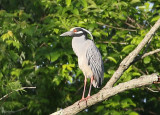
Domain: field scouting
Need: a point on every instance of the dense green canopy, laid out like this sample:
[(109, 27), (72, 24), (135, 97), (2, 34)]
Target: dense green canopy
[(32, 54)]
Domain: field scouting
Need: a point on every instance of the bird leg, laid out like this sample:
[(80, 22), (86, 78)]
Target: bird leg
[(89, 93), (85, 82)]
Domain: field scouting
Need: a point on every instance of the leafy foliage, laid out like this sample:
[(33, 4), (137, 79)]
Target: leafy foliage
[(33, 54)]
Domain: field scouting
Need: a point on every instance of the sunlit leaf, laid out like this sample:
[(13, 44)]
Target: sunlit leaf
[(128, 48), (147, 60), (112, 59), (68, 2)]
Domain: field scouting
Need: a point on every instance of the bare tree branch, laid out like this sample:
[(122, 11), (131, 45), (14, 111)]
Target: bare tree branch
[(150, 53), (129, 59), (130, 25), (106, 93), (155, 91), (5, 96), (139, 70), (145, 55), (13, 112), (107, 42), (115, 27)]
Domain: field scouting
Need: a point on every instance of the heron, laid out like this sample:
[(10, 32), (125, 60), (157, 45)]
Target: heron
[(89, 58)]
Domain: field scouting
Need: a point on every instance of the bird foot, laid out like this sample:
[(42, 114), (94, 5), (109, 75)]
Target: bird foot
[(81, 100), (88, 97), (84, 99)]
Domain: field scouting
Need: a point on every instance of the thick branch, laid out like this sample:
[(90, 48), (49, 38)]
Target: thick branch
[(129, 59), (106, 93)]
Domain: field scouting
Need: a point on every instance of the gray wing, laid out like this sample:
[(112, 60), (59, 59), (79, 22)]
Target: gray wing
[(95, 62)]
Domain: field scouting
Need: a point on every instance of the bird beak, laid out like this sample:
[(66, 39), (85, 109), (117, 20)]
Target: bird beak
[(69, 33)]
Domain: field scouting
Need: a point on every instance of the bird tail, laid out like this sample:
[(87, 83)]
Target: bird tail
[(97, 84)]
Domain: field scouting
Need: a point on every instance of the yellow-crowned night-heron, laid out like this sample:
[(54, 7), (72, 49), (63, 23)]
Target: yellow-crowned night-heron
[(89, 57)]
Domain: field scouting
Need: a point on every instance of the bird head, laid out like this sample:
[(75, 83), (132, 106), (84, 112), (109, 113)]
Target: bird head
[(77, 31)]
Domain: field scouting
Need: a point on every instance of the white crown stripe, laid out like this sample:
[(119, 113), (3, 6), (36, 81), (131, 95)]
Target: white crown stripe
[(84, 30)]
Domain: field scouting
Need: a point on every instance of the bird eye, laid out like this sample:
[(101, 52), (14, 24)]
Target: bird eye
[(74, 30)]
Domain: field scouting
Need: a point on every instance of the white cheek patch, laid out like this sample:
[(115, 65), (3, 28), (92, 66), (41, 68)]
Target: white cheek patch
[(79, 32)]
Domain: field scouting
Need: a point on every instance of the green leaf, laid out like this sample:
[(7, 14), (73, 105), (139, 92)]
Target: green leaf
[(14, 56), (75, 11), (70, 79), (26, 62), (54, 56), (16, 72), (5, 36), (133, 113), (128, 48), (136, 74), (135, 1), (14, 85), (68, 3), (99, 108), (56, 30), (154, 19), (84, 4), (141, 7), (147, 4), (112, 59), (97, 34), (147, 60), (127, 103)]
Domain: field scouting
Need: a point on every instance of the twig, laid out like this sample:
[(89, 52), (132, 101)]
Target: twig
[(150, 53), (107, 42), (133, 21), (13, 112), (145, 55), (152, 90), (130, 25), (157, 55), (115, 27), (5, 96), (138, 70)]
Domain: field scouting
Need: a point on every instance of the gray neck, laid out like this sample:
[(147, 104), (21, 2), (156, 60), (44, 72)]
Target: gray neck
[(78, 44)]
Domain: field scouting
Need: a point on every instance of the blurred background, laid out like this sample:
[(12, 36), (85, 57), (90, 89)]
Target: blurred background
[(32, 54)]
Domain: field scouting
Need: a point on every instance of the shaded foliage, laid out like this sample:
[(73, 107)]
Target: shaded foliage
[(33, 54)]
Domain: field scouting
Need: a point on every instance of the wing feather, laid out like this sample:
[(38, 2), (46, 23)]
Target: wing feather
[(95, 62)]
